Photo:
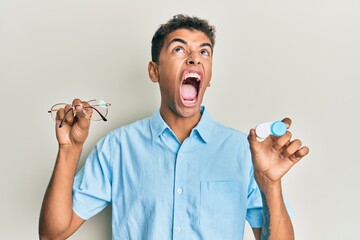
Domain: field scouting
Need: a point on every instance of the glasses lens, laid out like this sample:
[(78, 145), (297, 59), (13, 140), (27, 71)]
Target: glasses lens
[(55, 108), (101, 107)]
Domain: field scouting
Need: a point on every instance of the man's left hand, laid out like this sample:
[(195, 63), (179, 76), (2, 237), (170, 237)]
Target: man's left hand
[(274, 156)]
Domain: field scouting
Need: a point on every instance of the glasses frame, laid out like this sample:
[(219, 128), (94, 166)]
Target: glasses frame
[(89, 106)]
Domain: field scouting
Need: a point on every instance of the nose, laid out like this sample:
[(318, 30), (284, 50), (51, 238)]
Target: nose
[(193, 59)]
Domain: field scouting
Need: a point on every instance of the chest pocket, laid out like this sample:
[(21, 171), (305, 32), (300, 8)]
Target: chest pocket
[(223, 205)]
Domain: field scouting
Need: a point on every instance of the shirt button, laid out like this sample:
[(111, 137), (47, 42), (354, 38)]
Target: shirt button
[(179, 190), (178, 229)]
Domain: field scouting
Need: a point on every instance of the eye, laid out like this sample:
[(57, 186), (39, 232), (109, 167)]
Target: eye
[(205, 52), (179, 50)]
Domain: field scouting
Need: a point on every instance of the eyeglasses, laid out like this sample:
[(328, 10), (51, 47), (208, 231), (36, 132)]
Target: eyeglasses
[(100, 107)]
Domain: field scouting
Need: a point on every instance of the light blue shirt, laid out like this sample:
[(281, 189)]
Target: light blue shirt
[(161, 189)]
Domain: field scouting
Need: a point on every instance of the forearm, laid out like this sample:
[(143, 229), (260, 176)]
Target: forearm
[(277, 224), (56, 212)]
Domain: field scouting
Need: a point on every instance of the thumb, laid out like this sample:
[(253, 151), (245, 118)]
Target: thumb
[(252, 138), (83, 113)]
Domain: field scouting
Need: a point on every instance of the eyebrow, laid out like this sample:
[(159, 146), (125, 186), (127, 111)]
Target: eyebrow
[(177, 40), (206, 45), (184, 42)]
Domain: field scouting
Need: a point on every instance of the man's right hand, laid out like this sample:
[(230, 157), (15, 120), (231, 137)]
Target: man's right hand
[(57, 218), (75, 127)]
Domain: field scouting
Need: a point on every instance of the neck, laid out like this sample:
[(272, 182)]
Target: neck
[(180, 125)]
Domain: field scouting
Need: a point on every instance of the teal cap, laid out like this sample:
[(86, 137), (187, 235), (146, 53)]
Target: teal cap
[(278, 128)]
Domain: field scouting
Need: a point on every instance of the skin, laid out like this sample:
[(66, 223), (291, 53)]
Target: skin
[(57, 219), (183, 51), (272, 159)]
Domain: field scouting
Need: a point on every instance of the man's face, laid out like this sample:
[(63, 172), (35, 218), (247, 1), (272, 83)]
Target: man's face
[(184, 72)]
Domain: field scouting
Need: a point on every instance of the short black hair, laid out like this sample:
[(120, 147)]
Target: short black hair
[(179, 21)]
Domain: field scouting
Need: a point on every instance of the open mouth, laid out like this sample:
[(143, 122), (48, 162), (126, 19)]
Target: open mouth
[(190, 86)]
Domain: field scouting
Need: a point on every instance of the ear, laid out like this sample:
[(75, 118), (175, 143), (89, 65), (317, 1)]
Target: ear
[(153, 71)]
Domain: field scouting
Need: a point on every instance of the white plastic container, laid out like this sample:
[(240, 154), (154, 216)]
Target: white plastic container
[(276, 128)]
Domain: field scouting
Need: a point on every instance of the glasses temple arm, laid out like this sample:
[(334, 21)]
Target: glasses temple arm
[(102, 117), (62, 120)]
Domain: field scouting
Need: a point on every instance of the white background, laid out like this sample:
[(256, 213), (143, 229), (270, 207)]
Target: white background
[(272, 59)]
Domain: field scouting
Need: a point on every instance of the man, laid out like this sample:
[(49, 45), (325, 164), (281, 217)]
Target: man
[(177, 174)]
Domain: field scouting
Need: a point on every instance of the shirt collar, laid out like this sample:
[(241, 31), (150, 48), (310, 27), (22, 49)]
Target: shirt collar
[(203, 128), (205, 125), (157, 125)]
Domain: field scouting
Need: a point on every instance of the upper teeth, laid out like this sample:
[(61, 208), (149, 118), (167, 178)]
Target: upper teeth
[(192, 75)]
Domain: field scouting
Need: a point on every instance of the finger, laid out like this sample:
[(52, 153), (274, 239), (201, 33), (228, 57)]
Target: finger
[(291, 148), (78, 106), (60, 114), (252, 138), (287, 122), (299, 154), (88, 111), (82, 113), (281, 142), (69, 115), (82, 109), (302, 152)]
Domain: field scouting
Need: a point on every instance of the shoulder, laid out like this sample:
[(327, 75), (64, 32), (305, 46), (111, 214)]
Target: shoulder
[(133, 131), (139, 128), (216, 131)]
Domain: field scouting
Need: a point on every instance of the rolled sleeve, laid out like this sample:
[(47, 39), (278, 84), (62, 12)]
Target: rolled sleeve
[(92, 184)]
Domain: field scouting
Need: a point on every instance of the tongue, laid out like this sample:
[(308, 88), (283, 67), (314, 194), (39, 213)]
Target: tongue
[(188, 92)]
